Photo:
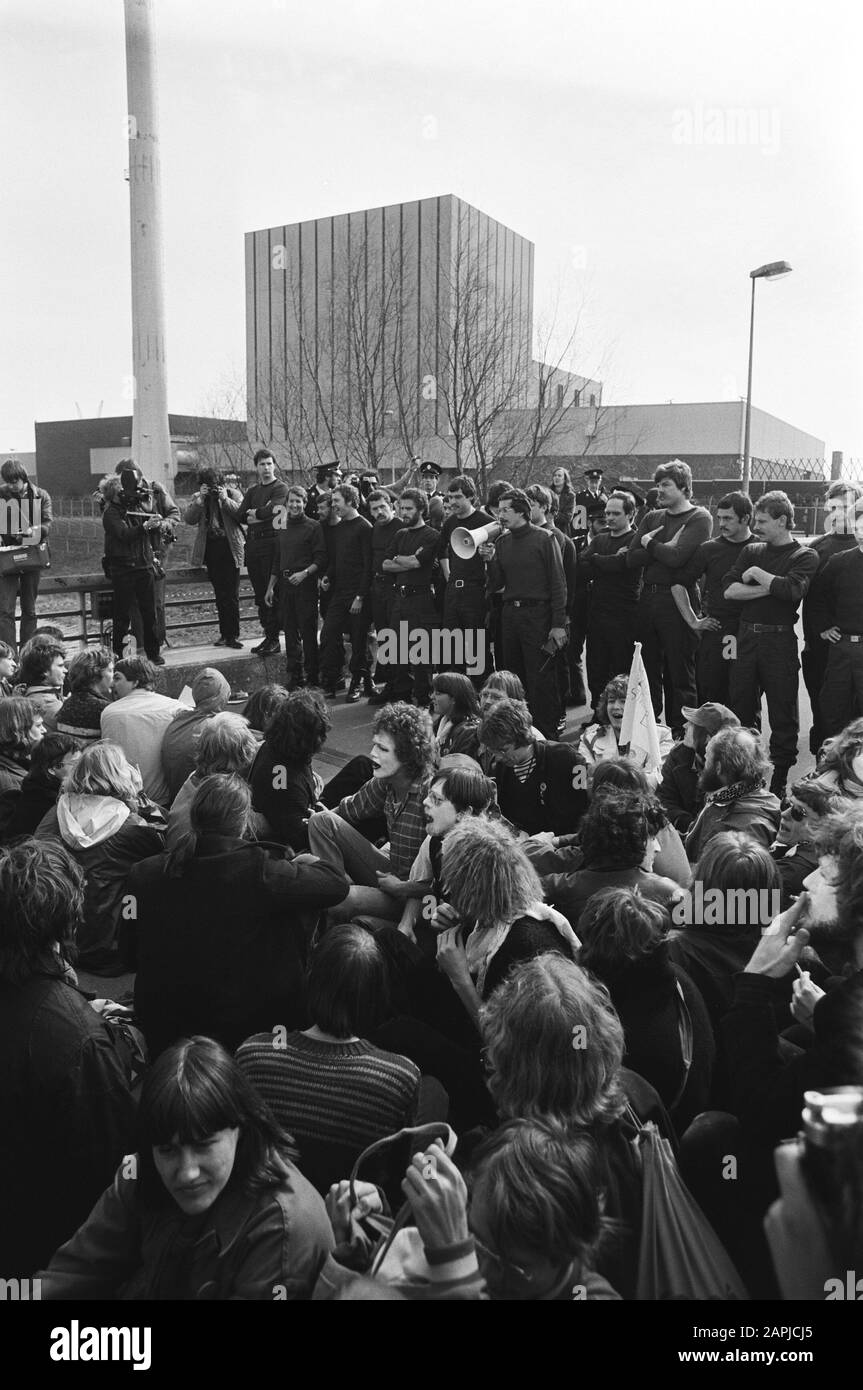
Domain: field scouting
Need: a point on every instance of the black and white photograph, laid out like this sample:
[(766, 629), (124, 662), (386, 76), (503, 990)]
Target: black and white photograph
[(431, 672)]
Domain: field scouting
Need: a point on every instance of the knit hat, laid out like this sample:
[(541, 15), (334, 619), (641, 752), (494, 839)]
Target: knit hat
[(210, 685)]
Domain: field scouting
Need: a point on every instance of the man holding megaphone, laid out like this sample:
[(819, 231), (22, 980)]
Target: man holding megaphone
[(464, 531), (525, 563)]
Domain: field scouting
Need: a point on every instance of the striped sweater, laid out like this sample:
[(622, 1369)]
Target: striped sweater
[(333, 1098)]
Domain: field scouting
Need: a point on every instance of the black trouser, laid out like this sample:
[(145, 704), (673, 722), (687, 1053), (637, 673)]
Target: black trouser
[(610, 640), (259, 563), (224, 574), (129, 586), (717, 652), (578, 627), (418, 611), (668, 651), (26, 582), (768, 662), (842, 691), (465, 608), (340, 619), (383, 599), (524, 629), (299, 618), (813, 661)]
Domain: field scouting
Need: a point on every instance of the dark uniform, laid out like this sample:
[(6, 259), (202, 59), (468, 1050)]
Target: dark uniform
[(589, 508), (839, 603), (528, 566), (436, 516), (414, 598), (384, 591), (328, 477), (300, 544), (465, 604), (613, 608), (816, 653), (262, 499), (716, 655), (350, 575), (767, 646)]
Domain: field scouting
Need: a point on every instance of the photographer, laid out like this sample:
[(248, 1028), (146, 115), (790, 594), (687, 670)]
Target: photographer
[(25, 519), (165, 507), (219, 546), (131, 521)]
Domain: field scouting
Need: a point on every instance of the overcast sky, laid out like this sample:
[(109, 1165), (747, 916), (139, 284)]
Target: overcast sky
[(654, 154)]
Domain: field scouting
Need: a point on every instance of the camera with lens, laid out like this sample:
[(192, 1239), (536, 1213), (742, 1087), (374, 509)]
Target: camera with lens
[(135, 495)]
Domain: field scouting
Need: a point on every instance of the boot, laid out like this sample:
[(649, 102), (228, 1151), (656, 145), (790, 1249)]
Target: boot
[(354, 691)]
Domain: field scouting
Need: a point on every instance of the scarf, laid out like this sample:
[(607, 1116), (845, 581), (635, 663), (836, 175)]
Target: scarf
[(484, 943), (726, 794)]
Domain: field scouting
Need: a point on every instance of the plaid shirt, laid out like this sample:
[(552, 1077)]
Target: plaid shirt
[(406, 822)]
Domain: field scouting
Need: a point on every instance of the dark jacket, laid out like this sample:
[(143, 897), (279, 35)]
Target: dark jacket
[(712, 956), (68, 1116), (220, 949), (22, 810), (767, 1088), (128, 545), (755, 810), (285, 796), (794, 865), (546, 801), (263, 1247), (80, 716), (648, 1004), (12, 772), (462, 738), (34, 503), (678, 790), (571, 892), (106, 867)]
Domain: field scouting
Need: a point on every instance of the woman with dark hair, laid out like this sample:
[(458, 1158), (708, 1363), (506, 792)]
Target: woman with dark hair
[(107, 825), (219, 546), (221, 925), (561, 486), (211, 1207), (669, 1040), (52, 759), (331, 1089), (618, 842), (21, 728), (41, 677), (91, 681), (65, 1097), (285, 787), (455, 713), (735, 895), (601, 740)]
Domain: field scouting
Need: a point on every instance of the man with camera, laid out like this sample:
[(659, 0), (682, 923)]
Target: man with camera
[(25, 519), (131, 521)]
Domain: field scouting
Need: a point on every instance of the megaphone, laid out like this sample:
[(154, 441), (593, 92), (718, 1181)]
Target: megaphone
[(466, 543)]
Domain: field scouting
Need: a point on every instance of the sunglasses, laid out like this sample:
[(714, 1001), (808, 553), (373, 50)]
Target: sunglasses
[(506, 1267)]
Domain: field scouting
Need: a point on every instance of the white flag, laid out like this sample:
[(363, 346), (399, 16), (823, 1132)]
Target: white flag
[(638, 727)]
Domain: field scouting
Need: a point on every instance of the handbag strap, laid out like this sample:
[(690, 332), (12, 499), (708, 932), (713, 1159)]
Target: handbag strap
[(427, 1133), (686, 1035)]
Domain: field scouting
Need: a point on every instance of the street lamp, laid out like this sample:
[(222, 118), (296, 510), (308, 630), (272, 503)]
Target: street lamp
[(772, 271)]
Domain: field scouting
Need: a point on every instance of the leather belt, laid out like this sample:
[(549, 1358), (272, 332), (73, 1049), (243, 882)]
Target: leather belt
[(384, 580), (407, 589), (461, 583), (656, 588), (769, 627), (527, 602), (851, 637), (286, 574)]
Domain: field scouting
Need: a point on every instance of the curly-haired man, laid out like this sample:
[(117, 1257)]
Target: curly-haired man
[(403, 758)]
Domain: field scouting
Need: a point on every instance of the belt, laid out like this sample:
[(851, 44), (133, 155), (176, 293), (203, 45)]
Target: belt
[(656, 588), (460, 583), (406, 589), (286, 574), (768, 627), (385, 580), (527, 602), (852, 637)]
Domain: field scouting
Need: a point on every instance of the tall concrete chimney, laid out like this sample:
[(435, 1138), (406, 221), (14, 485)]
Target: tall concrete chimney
[(151, 440)]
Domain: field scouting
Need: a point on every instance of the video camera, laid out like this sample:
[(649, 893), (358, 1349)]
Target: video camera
[(135, 495)]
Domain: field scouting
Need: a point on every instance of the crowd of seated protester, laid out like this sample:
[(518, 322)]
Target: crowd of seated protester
[(522, 951)]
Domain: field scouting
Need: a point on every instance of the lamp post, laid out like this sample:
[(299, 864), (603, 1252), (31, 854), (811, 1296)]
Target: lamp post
[(772, 271)]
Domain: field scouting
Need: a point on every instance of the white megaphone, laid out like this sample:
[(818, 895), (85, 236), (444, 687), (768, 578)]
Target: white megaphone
[(466, 543)]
